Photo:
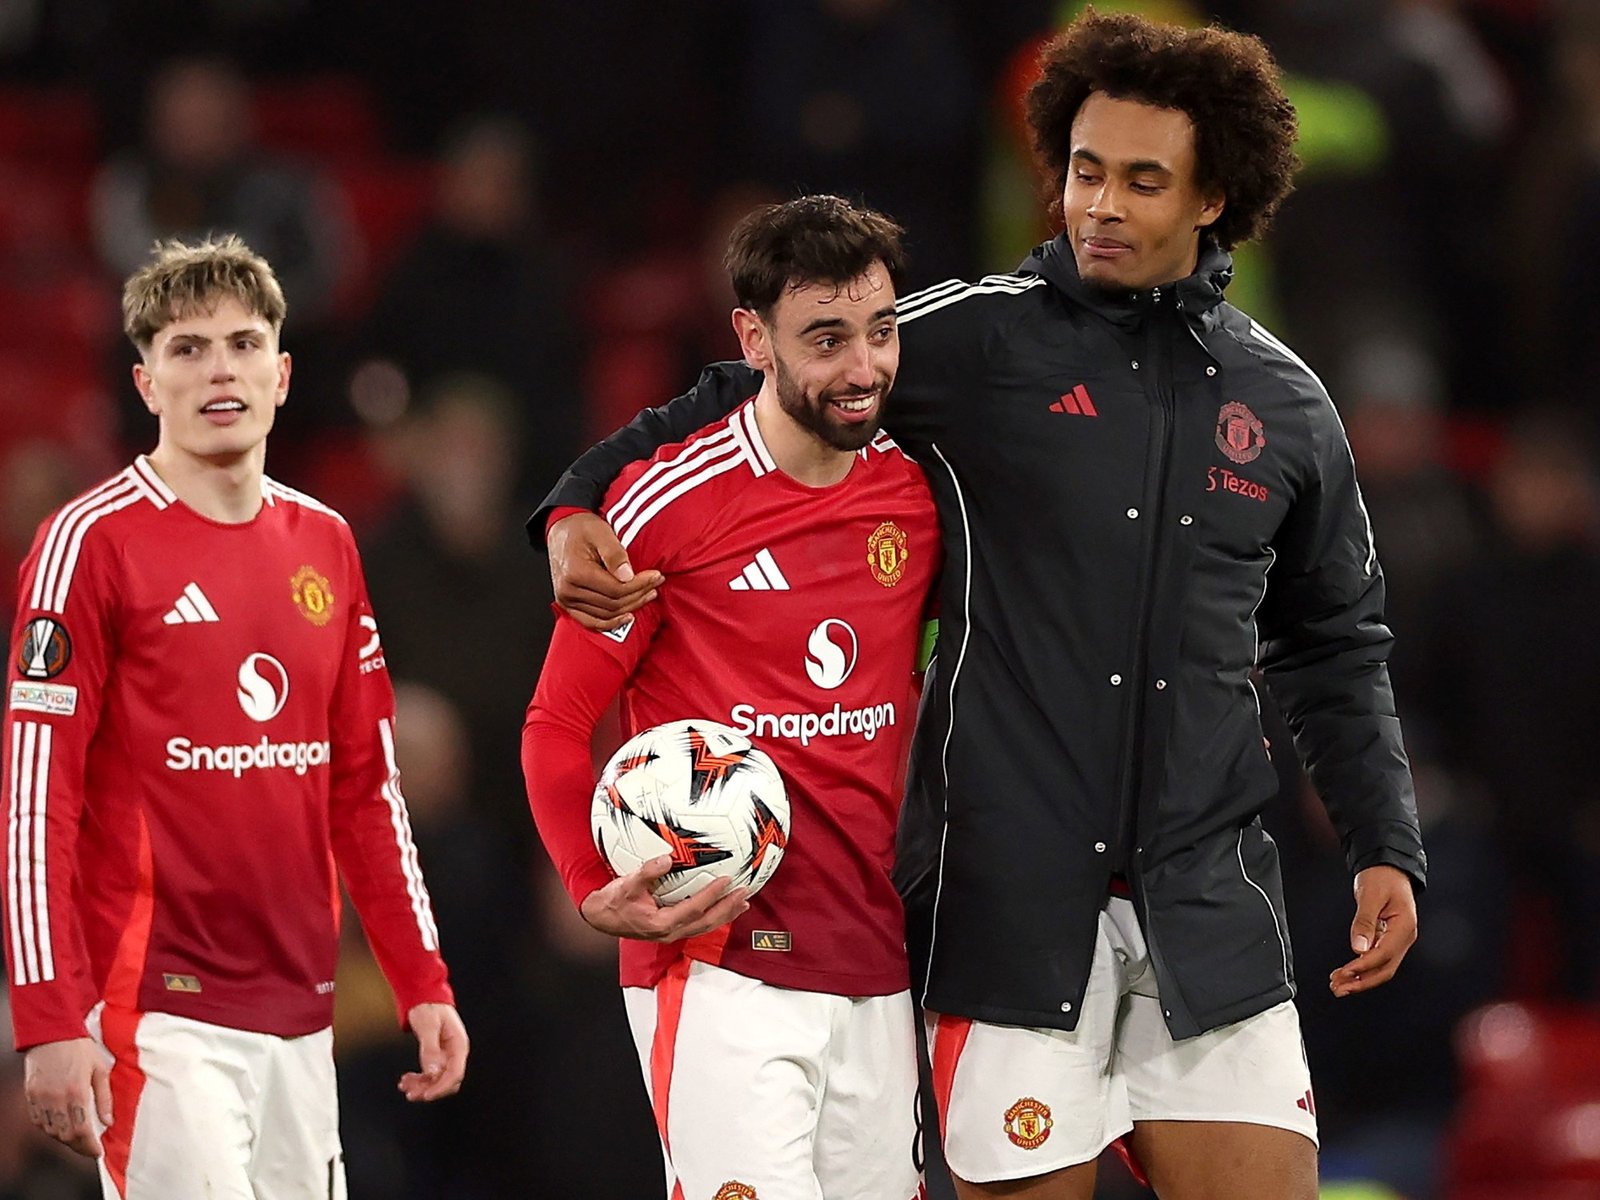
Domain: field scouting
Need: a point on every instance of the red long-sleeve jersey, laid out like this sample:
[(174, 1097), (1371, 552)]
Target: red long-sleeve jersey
[(200, 725), (792, 614)]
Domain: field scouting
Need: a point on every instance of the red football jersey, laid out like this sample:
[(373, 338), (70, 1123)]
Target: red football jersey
[(790, 613), (200, 725)]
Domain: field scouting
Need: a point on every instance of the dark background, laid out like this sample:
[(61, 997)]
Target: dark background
[(499, 224)]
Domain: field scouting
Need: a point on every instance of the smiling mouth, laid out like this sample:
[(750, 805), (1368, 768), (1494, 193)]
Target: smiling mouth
[(224, 406), (857, 404)]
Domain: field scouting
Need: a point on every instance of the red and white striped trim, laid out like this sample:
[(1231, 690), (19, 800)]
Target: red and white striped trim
[(27, 890), (158, 493), (881, 442), (421, 904), (748, 435), (63, 543), (273, 491), (670, 478)]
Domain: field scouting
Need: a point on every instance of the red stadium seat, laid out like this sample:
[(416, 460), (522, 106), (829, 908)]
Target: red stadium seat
[(1528, 1127), (48, 126), (44, 218), (61, 399), (389, 200), (72, 315), (1515, 1046), (329, 119)]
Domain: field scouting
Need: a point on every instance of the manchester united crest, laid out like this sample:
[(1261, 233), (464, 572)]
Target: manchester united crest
[(313, 595), (734, 1190), (1028, 1123), (886, 553), (1240, 435)]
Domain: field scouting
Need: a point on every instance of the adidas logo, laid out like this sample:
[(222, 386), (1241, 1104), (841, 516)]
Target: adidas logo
[(192, 608), (1076, 402), (762, 575)]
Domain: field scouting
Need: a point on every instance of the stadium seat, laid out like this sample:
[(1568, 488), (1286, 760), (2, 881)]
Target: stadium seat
[(1516, 1046), (327, 119), (66, 315), (1528, 1126), (48, 126), (44, 221), (64, 401), (389, 202)]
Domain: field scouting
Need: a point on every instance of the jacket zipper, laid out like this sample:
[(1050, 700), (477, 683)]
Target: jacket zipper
[(1159, 363)]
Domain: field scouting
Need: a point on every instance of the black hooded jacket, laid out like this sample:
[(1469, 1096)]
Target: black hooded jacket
[(1144, 496)]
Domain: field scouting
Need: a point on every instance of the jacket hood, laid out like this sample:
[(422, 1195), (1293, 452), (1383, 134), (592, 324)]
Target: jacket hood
[(1198, 293)]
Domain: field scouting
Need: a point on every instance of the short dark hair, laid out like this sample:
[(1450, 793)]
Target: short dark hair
[(811, 239), (1227, 83)]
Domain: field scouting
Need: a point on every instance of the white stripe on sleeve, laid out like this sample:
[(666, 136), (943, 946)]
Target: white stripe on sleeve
[(421, 905)]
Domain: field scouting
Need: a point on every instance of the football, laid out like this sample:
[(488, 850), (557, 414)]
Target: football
[(700, 792)]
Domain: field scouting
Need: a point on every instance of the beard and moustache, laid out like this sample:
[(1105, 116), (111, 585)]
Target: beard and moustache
[(815, 413)]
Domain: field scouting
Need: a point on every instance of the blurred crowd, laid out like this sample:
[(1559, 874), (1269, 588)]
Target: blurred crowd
[(500, 235)]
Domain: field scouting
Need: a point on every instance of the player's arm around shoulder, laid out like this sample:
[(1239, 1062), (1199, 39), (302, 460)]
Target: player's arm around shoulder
[(592, 575)]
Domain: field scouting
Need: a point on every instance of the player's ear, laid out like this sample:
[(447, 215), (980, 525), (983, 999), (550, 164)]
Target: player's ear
[(755, 339), (143, 381), (285, 367)]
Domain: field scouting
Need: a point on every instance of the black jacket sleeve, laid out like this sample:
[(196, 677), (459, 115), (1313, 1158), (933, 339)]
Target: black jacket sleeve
[(1324, 651), (722, 387)]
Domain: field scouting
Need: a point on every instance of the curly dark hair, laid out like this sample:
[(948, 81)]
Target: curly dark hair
[(1226, 82), (811, 239)]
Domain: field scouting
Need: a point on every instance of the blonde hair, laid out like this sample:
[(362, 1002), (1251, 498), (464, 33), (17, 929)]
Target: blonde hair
[(183, 279)]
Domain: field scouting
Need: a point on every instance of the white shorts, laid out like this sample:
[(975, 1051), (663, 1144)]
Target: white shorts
[(203, 1112), (769, 1092), (1016, 1102)]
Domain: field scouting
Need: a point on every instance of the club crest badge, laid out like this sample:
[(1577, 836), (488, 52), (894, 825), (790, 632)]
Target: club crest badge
[(1028, 1123), (1240, 435), (734, 1190), (886, 553), (45, 649), (313, 595)]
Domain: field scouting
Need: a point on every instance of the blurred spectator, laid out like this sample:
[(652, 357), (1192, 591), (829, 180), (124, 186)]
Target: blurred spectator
[(1513, 677), (457, 593), (1360, 252), (586, 1117), (480, 291), (659, 314), (1422, 520), (1554, 255), (36, 478), (874, 99), (1384, 1067), (395, 1151), (199, 172)]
